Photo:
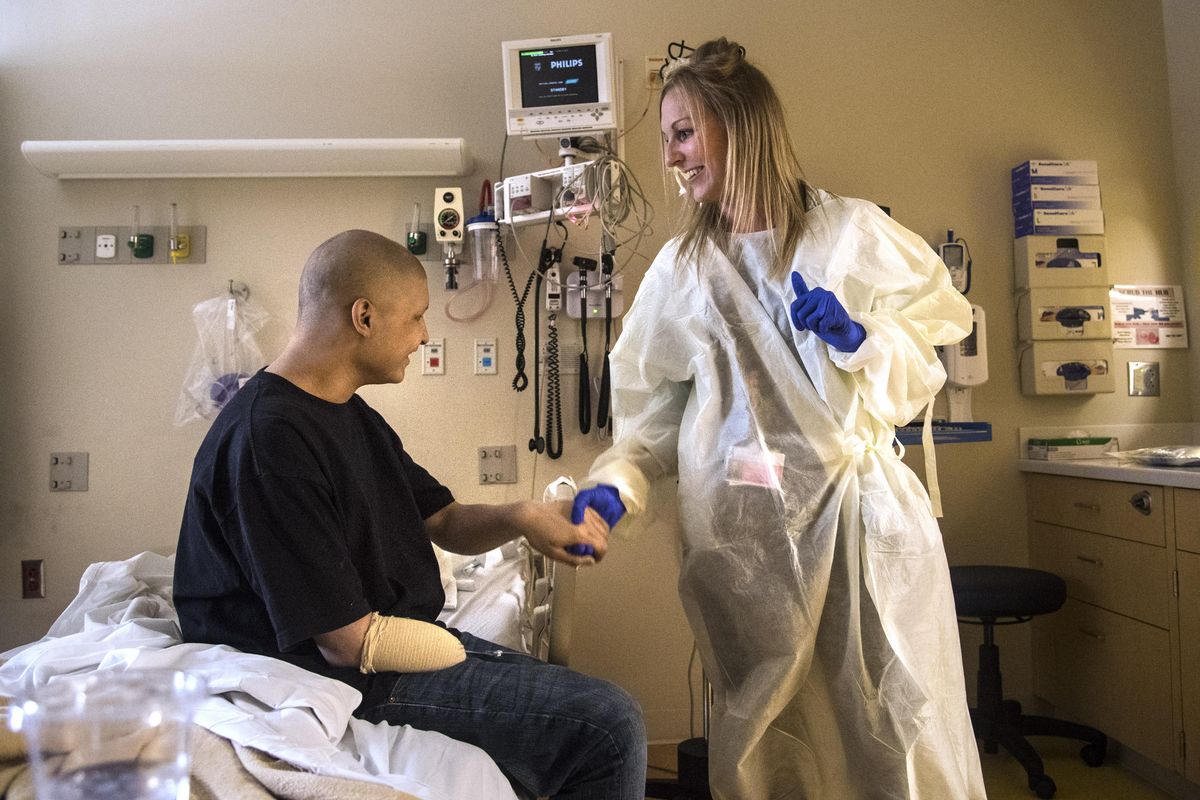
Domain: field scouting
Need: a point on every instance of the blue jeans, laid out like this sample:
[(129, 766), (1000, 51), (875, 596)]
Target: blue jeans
[(553, 732)]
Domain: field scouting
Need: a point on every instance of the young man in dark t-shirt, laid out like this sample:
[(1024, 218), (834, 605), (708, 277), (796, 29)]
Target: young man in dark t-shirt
[(306, 537)]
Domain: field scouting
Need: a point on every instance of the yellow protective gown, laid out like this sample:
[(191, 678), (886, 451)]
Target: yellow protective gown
[(813, 572)]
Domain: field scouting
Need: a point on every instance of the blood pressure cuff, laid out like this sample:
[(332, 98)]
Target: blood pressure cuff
[(399, 644)]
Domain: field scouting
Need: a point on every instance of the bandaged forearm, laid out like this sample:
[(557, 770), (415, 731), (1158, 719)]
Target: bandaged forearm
[(399, 644)]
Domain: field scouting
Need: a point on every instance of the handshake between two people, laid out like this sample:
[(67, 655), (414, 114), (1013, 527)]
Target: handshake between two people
[(583, 541)]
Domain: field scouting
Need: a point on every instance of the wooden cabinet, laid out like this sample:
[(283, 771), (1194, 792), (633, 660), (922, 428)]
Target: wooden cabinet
[(1106, 658), (1187, 542), (1189, 659)]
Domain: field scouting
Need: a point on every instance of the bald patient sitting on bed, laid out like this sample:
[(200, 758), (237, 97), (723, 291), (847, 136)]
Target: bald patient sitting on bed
[(306, 537)]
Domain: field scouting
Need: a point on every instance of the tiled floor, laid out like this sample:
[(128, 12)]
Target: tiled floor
[(1005, 780)]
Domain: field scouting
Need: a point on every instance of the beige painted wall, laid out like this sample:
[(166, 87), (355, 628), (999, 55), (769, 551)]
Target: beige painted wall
[(920, 106), (1181, 23)]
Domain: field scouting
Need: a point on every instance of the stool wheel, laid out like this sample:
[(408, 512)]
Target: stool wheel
[(1092, 755), (1043, 786)]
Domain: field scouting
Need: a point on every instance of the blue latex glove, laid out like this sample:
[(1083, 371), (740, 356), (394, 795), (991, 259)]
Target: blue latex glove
[(606, 500), (818, 310)]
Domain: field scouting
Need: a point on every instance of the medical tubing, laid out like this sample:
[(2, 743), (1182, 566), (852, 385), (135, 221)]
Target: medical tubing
[(520, 380), (585, 381), (554, 436)]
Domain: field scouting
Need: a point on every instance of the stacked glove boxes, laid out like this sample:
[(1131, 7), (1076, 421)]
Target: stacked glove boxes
[(1062, 280)]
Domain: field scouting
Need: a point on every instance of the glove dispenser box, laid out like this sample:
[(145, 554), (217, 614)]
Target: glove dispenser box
[(1064, 314), (1080, 367), (1059, 261)]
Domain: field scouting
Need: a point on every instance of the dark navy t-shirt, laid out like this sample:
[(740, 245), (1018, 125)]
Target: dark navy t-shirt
[(303, 516)]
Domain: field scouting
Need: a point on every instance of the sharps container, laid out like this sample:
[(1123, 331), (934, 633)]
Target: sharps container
[(482, 231), (110, 734)]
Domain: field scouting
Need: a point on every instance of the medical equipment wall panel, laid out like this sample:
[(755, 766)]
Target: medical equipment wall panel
[(1080, 367), (1065, 314), (1059, 261)]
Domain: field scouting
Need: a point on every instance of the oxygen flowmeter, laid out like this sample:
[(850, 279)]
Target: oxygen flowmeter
[(448, 230)]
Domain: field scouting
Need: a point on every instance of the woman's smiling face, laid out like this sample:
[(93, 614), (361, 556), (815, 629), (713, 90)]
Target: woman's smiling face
[(693, 148)]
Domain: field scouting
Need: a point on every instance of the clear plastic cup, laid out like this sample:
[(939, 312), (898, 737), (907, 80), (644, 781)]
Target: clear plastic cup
[(110, 734)]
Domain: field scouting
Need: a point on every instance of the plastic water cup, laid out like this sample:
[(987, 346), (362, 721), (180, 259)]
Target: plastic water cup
[(110, 734)]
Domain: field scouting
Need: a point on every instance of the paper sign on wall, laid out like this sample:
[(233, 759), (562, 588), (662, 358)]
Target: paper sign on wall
[(1148, 317)]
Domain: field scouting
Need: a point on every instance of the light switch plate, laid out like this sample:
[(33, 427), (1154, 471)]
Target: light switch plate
[(1144, 379)]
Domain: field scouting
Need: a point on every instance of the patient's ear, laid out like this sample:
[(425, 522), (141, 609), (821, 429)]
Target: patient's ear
[(362, 316)]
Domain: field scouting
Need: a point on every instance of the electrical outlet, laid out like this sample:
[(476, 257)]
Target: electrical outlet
[(653, 75), (1144, 379), (33, 584)]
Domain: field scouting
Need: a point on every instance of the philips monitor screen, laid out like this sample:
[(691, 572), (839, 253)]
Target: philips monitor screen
[(560, 85), (557, 76)]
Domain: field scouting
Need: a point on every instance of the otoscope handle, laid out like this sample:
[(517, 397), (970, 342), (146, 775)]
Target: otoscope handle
[(585, 395)]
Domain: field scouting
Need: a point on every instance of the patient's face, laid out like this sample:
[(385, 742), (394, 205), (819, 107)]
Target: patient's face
[(399, 325)]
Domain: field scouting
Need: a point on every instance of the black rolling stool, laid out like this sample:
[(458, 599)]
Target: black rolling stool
[(990, 596)]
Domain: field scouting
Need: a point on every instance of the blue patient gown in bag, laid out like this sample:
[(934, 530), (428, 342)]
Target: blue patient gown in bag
[(813, 573)]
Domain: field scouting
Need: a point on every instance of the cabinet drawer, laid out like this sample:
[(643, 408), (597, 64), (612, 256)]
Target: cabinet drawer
[(1187, 520), (1130, 578), (1106, 507), (1108, 671)]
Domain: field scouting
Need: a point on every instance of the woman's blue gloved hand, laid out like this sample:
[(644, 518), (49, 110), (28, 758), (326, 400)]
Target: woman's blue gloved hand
[(818, 310), (606, 500)]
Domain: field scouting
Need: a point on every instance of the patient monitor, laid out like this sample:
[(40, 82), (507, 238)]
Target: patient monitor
[(560, 85)]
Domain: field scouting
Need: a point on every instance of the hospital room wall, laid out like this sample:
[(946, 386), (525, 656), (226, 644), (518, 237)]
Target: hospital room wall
[(1181, 23), (921, 107)]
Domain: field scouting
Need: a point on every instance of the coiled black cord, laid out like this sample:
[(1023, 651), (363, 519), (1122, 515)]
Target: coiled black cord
[(554, 436), (520, 380), (585, 380), (537, 444)]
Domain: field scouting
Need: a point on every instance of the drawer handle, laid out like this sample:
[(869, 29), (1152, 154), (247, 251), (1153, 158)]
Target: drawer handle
[(1141, 501), (1089, 560), (1099, 637), (1088, 506)]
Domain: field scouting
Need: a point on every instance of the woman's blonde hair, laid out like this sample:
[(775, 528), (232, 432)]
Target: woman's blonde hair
[(763, 184)]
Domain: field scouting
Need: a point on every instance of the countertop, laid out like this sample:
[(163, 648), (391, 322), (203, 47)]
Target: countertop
[(1113, 469), (1110, 468)]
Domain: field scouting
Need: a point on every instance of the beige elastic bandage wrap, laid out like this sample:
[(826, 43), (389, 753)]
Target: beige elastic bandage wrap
[(399, 644)]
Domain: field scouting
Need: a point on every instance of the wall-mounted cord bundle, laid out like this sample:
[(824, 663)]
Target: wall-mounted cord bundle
[(554, 436), (520, 380)]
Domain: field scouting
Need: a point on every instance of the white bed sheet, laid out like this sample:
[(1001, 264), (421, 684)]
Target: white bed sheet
[(122, 618), (490, 598)]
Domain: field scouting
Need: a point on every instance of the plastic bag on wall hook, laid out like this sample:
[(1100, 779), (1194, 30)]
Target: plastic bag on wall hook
[(226, 354)]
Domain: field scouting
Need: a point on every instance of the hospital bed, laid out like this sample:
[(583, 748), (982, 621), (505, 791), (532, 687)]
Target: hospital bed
[(272, 716)]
